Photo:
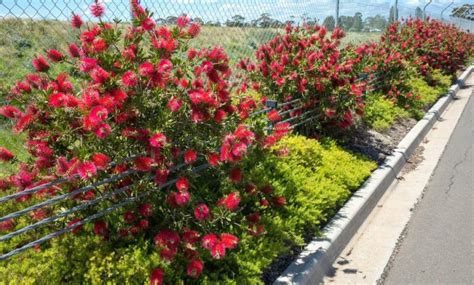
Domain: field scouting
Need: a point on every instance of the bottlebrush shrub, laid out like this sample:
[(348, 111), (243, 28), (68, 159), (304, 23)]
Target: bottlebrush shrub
[(430, 44), (145, 93), (316, 178), (306, 64)]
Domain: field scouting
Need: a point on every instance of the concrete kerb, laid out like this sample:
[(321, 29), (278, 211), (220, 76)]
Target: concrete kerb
[(315, 261)]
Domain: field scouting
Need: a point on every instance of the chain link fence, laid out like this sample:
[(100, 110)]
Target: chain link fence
[(30, 26)]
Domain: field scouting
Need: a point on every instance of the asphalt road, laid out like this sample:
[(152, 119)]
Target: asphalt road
[(438, 246)]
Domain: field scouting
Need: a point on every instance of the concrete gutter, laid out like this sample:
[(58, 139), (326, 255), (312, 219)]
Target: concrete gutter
[(318, 256)]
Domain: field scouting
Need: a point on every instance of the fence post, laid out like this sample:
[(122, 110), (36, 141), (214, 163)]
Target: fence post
[(396, 11), (424, 9), (271, 104), (337, 13), (442, 12)]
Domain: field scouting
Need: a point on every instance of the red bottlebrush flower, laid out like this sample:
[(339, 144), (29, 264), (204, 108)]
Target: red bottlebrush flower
[(146, 69), (174, 104), (330, 113), (23, 122), (209, 241), (183, 21), (168, 254), (144, 224), (274, 116), (135, 230), (236, 175), (40, 64), (97, 9), (213, 159), (74, 50), (63, 166), (55, 55), (145, 210), (143, 163), (229, 241), (148, 24), (38, 214), (99, 45), (156, 277), (76, 21), (58, 100), (129, 79), (201, 212), (181, 198), (220, 115), (167, 238), (182, 184), (218, 250), (230, 202), (190, 236), (264, 202), (10, 112), (158, 140), (195, 268), (281, 129), (165, 66), (129, 217), (194, 30), (99, 75), (72, 223), (100, 160), (279, 201), (88, 64), (6, 225), (161, 176), (253, 218), (251, 189), (239, 149), (102, 131), (190, 156), (101, 229), (86, 170), (5, 154)]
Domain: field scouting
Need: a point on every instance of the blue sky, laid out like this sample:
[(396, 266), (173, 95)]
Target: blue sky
[(220, 10)]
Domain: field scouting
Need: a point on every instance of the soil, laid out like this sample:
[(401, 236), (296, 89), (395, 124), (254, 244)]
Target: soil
[(375, 145), (378, 145)]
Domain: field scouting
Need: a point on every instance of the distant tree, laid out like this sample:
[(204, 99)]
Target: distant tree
[(376, 22), (171, 20), (391, 18), (236, 21), (357, 25), (329, 23), (264, 21), (418, 13), (346, 22), (312, 21), (198, 20)]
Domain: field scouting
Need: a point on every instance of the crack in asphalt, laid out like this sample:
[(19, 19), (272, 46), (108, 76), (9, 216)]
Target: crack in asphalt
[(451, 179)]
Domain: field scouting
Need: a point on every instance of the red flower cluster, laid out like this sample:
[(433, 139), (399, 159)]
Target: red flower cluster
[(305, 64)]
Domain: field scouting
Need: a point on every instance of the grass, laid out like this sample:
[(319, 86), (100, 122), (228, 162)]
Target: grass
[(15, 144)]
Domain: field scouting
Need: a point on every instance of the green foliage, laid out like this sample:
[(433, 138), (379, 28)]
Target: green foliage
[(426, 95), (380, 113)]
